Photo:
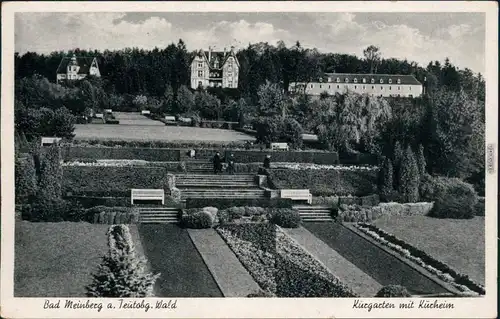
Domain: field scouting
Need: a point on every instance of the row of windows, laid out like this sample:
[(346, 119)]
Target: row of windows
[(346, 80), (212, 84), (356, 87), (213, 74), (230, 64)]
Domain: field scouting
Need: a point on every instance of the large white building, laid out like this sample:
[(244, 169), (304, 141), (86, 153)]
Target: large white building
[(77, 68), (374, 84), (215, 69)]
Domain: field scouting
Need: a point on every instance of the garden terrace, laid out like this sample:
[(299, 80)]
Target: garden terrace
[(325, 182)]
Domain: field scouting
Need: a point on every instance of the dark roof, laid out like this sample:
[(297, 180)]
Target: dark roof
[(219, 55), (83, 62), (386, 78)]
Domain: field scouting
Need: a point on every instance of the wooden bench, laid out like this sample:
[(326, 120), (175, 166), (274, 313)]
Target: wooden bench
[(146, 112), (279, 146), (147, 194), (99, 115), (108, 111), (170, 118), (297, 194), (50, 140)]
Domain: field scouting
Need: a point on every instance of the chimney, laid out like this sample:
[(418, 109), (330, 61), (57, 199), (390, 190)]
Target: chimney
[(209, 55), (224, 51), (232, 49)]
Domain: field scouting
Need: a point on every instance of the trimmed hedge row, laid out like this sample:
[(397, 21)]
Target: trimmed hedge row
[(255, 156), (121, 201), (357, 213), (112, 215), (111, 181), (155, 144), (325, 182), (460, 279), (359, 159), (224, 203), (147, 154)]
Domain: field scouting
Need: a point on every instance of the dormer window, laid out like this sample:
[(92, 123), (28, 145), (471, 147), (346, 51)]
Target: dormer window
[(338, 80), (390, 81), (364, 80), (381, 81), (373, 81), (346, 80), (399, 81), (329, 79), (200, 65), (355, 80)]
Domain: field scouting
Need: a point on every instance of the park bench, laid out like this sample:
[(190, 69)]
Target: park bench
[(50, 140), (170, 118), (147, 194), (99, 115), (297, 194), (145, 112), (108, 111), (279, 146)]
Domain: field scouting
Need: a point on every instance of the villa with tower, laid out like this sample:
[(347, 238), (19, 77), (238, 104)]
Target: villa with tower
[(215, 69), (77, 68)]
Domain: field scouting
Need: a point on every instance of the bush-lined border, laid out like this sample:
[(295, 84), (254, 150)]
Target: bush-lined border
[(443, 271)]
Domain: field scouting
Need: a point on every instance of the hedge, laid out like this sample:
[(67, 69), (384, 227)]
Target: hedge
[(459, 279), (147, 154), (112, 215), (325, 182), (224, 203), (111, 181), (155, 144), (285, 217), (452, 198), (255, 156), (358, 159), (91, 201), (357, 213)]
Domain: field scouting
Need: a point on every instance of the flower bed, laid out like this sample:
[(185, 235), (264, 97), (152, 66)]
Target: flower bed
[(278, 264), (305, 166), (364, 213), (443, 271)]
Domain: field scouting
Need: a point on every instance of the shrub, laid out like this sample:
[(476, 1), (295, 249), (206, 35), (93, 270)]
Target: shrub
[(285, 217), (46, 209), (122, 273), (452, 197), (393, 291), (25, 179), (138, 153), (197, 220), (480, 208)]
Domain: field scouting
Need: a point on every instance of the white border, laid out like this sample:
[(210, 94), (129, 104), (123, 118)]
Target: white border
[(242, 307)]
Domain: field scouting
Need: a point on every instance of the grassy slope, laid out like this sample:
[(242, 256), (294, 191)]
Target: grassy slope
[(171, 252), (56, 259), (458, 243)]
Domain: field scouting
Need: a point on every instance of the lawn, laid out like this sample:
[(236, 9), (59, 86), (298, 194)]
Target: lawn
[(134, 126), (171, 252), (459, 243), (58, 259)]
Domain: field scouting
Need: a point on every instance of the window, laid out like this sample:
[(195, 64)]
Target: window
[(320, 86), (390, 81), (373, 81), (410, 88), (373, 87), (329, 86), (364, 87), (399, 88), (390, 88), (381, 81), (381, 87), (311, 86), (200, 65), (200, 84), (355, 87), (338, 80), (399, 95), (346, 80), (399, 81), (338, 86), (364, 80), (200, 73), (230, 84), (410, 95), (329, 79), (355, 80)]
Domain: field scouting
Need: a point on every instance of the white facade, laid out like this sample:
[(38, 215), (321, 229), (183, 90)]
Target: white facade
[(215, 69), (77, 68)]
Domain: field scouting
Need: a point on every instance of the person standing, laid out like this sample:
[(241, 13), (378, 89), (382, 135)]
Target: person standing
[(217, 163), (267, 161), (230, 164)]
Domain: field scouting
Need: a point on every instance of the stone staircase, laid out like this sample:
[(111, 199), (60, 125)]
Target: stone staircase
[(158, 215), (314, 214), (199, 166), (218, 186)]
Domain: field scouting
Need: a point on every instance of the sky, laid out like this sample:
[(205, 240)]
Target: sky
[(419, 37)]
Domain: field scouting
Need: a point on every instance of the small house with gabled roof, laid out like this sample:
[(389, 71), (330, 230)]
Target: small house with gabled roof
[(215, 69), (77, 68), (387, 85)]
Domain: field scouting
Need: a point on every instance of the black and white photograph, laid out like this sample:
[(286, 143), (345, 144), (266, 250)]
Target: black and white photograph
[(156, 159)]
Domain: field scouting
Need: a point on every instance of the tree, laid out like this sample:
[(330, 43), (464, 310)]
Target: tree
[(25, 179), (372, 56), (122, 273), (422, 170), (271, 100), (385, 179), (409, 179), (184, 100)]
